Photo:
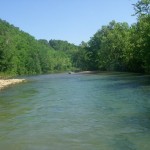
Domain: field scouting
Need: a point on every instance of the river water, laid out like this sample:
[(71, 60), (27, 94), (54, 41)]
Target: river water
[(77, 112)]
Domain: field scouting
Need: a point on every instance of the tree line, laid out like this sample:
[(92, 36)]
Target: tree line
[(21, 53), (114, 47), (120, 47)]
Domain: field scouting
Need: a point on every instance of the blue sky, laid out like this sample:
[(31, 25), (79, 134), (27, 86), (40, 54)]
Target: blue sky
[(71, 20)]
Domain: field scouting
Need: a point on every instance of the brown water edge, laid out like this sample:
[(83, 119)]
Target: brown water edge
[(7, 82)]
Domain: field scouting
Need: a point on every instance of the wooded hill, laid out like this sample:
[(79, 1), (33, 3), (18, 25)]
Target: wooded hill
[(21, 53)]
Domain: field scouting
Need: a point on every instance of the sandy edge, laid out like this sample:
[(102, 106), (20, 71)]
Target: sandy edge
[(7, 82)]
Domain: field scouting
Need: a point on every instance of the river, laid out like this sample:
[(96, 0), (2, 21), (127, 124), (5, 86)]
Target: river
[(107, 111)]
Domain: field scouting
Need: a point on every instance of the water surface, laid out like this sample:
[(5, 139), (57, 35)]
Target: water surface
[(77, 112)]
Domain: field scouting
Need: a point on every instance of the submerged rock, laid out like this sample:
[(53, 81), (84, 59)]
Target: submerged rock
[(70, 72)]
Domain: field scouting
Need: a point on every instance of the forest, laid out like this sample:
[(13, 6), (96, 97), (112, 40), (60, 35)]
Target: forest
[(114, 47)]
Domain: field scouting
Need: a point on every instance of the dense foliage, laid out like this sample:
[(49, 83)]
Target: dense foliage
[(120, 47), (114, 47), (69, 49), (20, 53)]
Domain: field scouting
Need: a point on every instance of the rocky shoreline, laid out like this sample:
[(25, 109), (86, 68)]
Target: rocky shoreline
[(7, 82)]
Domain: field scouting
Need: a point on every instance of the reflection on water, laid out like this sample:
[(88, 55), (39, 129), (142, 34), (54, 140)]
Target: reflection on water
[(77, 112)]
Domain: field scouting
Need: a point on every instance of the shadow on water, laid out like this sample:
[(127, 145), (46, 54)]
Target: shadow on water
[(119, 82), (124, 94)]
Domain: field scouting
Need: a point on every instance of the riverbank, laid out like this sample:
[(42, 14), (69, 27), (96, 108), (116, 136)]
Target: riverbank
[(7, 82)]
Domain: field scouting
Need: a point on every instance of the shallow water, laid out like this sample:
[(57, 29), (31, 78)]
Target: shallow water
[(76, 112)]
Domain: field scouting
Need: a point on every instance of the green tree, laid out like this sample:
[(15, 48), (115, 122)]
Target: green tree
[(141, 36), (142, 7)]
